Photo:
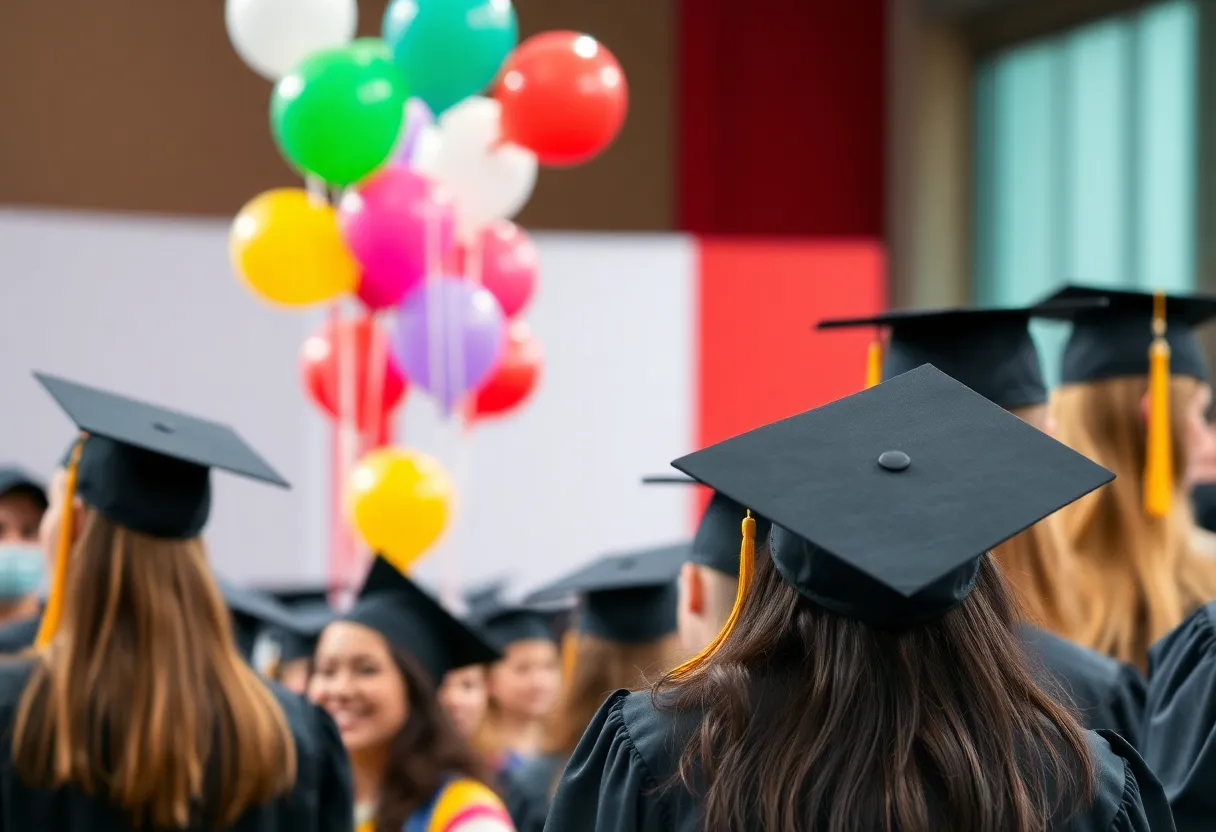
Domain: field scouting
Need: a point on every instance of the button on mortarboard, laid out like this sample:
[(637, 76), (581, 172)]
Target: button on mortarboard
[(628, 598), (410, 619), (894, 550), (989, 350), (148, 467), (719, 531), (1113, 341)]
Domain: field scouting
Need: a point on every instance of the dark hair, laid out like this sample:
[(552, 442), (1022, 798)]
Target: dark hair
[(861, 728), (426, 750)]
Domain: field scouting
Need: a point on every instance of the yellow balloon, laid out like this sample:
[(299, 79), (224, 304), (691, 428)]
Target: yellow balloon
[(399, 500), (288, 248)]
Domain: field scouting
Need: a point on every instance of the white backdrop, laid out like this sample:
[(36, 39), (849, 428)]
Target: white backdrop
[(149, 307)]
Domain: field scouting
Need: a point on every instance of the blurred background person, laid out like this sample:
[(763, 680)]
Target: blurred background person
[(463, 695), (139, 655), (375, 671), (624, 635), (23, 501), (284, 653), (1133, 396), (522, 686)]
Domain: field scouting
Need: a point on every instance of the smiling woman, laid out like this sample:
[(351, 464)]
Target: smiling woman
[(376, 673)]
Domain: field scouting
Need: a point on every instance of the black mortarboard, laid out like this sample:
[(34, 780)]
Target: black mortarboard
[(147, 467), (883, 502), (479, 599), (14, 480), (989, 350), (505, 623), (1114, 341), (719, 532), (628, 598), (284, 644), (410, 619), (252, 612)]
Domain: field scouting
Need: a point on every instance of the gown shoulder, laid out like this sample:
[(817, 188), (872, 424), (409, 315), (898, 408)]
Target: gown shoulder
[(623, 776), (1106, 693), (1180, 718), (19, 635), (528, 791)]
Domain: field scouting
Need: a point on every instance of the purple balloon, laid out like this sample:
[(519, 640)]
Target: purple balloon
[(418, 116), (471, 335)]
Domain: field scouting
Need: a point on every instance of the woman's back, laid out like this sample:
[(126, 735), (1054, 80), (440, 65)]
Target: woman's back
[(625, 776), (320, 800)]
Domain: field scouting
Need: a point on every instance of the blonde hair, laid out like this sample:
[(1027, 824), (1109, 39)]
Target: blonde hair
[(1138, 576), (142, 697), (1039, 565)]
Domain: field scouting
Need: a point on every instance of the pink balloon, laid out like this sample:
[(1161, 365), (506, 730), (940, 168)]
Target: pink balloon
[(392, 224), (509, 264)]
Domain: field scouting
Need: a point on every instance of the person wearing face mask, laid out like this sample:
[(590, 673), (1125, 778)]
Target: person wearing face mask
[(375, 671), (23, 501)]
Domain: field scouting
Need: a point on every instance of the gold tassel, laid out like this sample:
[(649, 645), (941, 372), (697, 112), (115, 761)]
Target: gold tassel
[(874, 363), (63, 548), (747, 564), (1159, 453), (569, 649)]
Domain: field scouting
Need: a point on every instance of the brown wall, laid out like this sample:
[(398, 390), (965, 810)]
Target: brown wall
[(142, 105)]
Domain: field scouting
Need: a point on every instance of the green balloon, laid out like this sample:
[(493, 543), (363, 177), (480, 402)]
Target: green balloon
[(337, 115), (448, 50)]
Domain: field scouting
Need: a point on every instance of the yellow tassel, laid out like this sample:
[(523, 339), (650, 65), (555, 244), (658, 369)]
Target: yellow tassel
[(569, 649), (1159, 452), (874, 363), (747, 564), (54, 600)]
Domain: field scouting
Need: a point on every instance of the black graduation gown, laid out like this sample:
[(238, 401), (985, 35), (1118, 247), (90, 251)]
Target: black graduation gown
[(1180, 719), (528, 790), (612, 782), (322, 800), (18, 635), (1105, 692)]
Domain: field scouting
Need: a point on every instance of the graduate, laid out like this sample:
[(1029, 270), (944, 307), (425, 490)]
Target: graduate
[(870, 676), (522, 686), (709, 578), (991, 351), (283, 652), (23, 570), (624, 636), (135, 652), (375, 670), (1132, 396)]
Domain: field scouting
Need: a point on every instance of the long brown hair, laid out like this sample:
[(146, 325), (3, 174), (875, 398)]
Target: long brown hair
[(813, 720), (597, 668), (142, 696), (1139, 576), (426, 750)]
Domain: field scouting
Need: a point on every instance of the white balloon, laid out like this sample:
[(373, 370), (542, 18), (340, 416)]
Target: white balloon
[(272, 36), (487, 179)]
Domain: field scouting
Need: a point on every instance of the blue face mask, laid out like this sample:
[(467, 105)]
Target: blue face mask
[(22, 570)]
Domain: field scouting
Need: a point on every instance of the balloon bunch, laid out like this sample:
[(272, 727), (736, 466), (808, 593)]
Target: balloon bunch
[(412, 176)]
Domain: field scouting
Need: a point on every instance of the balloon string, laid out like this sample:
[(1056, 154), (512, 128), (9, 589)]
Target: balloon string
[(315, 186), (348, 421), (377, 376)]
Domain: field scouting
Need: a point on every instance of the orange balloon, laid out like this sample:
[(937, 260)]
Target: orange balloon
[(287, 247), (400, 500)]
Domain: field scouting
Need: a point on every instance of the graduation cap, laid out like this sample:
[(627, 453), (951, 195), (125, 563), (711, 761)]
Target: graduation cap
[(410, 619), (1140, 334), (884, 502), (147, 467), (485, 597), (989, 350), (716, 543), (253, 611), (279, 644), (142, 466), (505, 624), (14, 480), (628, 598)]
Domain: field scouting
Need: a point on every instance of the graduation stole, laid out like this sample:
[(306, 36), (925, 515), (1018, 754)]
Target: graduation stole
[(458, 801)]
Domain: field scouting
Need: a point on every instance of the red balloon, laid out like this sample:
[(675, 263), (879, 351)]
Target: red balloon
[(563, 97), (516, 375), (322, 362)]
